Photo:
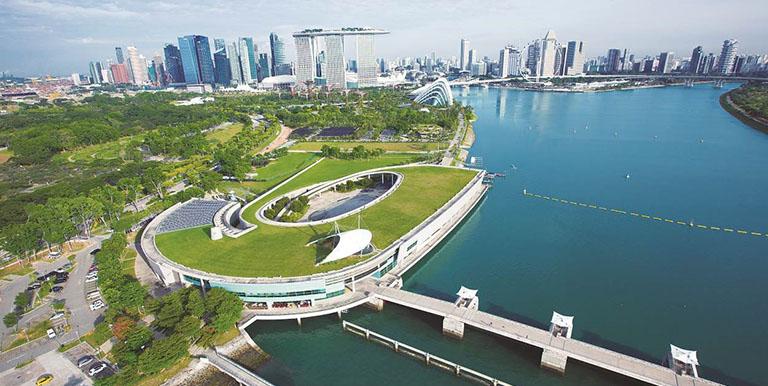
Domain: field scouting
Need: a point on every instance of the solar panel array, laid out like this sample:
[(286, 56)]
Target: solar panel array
[(191, 214)]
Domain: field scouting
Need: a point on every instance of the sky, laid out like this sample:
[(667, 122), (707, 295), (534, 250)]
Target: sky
[(60, 37)]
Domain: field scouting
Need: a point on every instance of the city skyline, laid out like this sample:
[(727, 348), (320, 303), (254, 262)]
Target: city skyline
[(72, 33)]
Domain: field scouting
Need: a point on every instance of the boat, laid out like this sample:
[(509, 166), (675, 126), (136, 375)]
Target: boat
[(627, 176)]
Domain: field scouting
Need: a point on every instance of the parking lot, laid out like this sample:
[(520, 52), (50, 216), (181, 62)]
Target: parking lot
[(75, 354), (64, 372)]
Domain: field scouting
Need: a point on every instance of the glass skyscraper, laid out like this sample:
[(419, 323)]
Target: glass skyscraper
[(263, 67), (251, 57), (277, 49), (173, 63), (196, 59), (223, 70)]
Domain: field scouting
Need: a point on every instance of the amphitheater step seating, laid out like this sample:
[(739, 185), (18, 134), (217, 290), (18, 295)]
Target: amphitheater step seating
[(193, 213)]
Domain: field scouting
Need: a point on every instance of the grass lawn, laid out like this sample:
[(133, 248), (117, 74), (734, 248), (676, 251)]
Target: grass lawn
[(16, 269), (5, 155), (273, 251), (225, 134), (99, 335), (32, 333), (161, 377), (102, 151), (271, 174), (226, 336), (387, 146), (128, 260)]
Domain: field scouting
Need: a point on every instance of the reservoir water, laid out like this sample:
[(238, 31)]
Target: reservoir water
[(634, 285)]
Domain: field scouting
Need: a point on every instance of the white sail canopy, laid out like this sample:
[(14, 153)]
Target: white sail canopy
[(466, 293), (562, 320), (683, 355), (350, 243)]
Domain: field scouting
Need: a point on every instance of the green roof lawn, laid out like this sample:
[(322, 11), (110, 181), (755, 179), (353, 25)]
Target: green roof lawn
[(272, 251)]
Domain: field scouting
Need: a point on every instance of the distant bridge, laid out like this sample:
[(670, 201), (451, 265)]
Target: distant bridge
[(526, 78)]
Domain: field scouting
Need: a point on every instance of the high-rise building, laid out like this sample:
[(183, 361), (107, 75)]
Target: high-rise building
[(251, 58), (335, 75), (561, 54), (697, 59), (236, 74), (76, 79), (366, 61), (223, 72), (159, 69), (665, 62), (245, 60), (727, 57), (504, 61), (574, 60), (335, 72), (305, 59), (196, 59), (137, 66), (95, 72), (533, 57), (119, 55), (173, 66), (218, 44), (548, 52), (277, 50), (464, 61), (515, 62), (472, 58), (263, 71), (120, 73), (613, 64)]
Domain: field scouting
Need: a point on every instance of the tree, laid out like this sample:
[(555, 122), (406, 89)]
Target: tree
[(86, 210), (19, 239), (189, 327), (162, 353), (138, 336), (154, 177), (171, 312), (224, 308), (232, 162), (11, 319), (122, 326), (22, 300), (195, 304), (131, 187), (111, 199)]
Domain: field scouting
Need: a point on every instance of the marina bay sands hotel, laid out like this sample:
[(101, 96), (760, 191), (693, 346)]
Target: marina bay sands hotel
[(320, 56)]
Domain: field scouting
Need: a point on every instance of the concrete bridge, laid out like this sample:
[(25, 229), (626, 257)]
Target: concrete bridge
[(555, 349), (681, 77)]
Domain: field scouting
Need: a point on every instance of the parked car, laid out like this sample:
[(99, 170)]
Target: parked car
[(57, 288), (67, 266), (54, 254), (93, 268), (60, 279), (92, 295), (95, 251), (97, 305), (92, 273), (57, 315), (91, 279), (97, 368), (51, 333), (85, 360), (44, 380), (34, 286)]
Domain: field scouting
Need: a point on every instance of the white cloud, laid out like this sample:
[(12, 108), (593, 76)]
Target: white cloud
[(59, 9)]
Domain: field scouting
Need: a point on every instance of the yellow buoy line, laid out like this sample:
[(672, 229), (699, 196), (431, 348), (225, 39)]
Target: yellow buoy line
[(645, 216)]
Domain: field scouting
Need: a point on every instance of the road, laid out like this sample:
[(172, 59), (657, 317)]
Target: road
[(82, 319), (448, 155)]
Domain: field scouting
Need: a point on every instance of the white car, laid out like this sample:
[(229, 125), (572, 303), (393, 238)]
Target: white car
[(51, 333), (91, 279), (57, 315), (97, 368), (96, 305)]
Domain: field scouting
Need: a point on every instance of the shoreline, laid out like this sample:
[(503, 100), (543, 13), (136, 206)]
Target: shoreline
[(737, 112), (585, 91)]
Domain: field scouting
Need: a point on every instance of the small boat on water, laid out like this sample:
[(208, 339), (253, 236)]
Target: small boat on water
[(627, 177)]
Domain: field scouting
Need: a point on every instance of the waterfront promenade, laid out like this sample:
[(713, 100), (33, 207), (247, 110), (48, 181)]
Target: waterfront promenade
[(558, 346)]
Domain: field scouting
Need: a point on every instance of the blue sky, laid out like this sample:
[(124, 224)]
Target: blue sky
[(61, 36)]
